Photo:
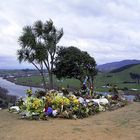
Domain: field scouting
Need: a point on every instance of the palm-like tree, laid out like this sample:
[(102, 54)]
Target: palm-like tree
[(38, 46)]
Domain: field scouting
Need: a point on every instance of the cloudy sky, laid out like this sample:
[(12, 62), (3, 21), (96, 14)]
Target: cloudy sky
[(109, 30)]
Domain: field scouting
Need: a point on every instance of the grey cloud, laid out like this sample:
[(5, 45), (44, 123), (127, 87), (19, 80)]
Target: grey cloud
[(9, 62), (100, 27)]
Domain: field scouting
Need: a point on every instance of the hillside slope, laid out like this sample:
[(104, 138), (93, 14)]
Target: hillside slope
[(122, 124), (118, 78), (115, 65), (123, 68)]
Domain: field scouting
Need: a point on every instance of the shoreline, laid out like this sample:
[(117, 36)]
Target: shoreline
[(134, 93), (21, 84)]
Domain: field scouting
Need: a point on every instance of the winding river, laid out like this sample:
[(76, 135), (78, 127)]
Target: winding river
[(14, 89), (19, 90)]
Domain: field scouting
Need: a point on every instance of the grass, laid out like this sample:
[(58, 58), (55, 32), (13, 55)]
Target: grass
[(36, 80), (78, 129), (33, 80), (124, 122), (118, 78), (101, 79)]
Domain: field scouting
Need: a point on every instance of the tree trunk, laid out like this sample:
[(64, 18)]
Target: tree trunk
[(51, 80), (138, 81), (42, 74), (44, 82)]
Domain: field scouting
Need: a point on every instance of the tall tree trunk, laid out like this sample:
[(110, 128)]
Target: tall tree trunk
[(42, 75), (50, 68), (44, 82)]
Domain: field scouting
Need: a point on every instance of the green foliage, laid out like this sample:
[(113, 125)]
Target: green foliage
[(38, 46), (135, 76), (34, 105), (119, 78), (71, 62), (6, 99)]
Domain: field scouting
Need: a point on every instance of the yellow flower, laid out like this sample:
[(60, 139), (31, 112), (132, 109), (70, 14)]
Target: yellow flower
[(60, 100), (66, 101), (29, 92), (76, 101), (36, 103)]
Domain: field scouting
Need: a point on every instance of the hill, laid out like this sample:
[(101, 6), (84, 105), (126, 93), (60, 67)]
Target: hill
[(116, 65), (122, 124), (123, 68), (120, 78)]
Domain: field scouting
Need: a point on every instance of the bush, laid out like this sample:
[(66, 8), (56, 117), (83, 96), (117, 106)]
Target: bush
[(5, 98)]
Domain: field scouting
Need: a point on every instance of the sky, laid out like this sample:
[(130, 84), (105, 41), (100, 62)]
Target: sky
[(109, 30)]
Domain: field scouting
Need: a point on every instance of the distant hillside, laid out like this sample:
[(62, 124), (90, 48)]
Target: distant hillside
[(123, 68), (121, 78), (116, 65)]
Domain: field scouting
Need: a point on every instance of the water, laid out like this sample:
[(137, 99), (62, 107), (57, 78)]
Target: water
[(19, 90), (130, 97), (14, 89), (127, 97), (103, 93)]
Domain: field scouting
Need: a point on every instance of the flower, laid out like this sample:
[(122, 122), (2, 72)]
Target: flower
[(76, 101), (34, 104), (29, 92), (60, 100)]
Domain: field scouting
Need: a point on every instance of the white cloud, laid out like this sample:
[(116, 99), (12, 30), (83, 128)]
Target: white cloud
[(108, 29)]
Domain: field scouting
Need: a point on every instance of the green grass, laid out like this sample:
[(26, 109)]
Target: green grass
[(36, 80), (101, 80), (68, 82), (117, 78)]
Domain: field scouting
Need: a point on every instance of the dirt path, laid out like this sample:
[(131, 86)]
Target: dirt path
[(121, 124)]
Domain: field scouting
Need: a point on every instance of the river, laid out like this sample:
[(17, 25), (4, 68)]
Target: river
[(128, 97), (19, 90), (14, 89)]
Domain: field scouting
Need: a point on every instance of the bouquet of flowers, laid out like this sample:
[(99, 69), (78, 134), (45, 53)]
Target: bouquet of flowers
[(34, 105), (60, 102)]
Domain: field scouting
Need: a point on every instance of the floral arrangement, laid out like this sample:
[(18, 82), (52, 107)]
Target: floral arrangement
[(55, 104), (34, 105), (29, 92), (61, 100)]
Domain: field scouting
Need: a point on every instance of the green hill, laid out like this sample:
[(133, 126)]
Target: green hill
[(123, 68), (122, 78)]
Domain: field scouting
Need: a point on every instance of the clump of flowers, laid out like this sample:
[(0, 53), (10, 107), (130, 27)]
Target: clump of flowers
[(73, 99), (60, 102), (34, 105), (74, 103), (29, 92)]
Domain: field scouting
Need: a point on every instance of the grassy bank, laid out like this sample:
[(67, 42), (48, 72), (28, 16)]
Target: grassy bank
[(100, 81), (37, 81), (121, 78), (122, 124)]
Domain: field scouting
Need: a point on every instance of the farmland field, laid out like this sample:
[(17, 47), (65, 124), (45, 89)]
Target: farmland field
[(121, 79)]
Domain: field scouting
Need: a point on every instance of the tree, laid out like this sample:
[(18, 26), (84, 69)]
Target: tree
[(38, 47), (71, 62), (135, 76)]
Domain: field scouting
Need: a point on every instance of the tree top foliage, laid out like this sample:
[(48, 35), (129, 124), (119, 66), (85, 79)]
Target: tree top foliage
[(71, 62)]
